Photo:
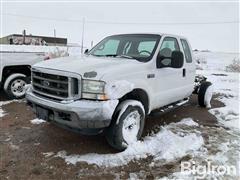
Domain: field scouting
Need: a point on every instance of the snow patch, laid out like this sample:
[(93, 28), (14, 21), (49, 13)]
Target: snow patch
[(188, 122), (229, 114), (165, 145), (2, 103), (37, 121), (227, 85), (123, 106), (48, 154)]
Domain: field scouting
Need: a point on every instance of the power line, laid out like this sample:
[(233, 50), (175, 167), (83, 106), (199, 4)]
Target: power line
[(121, 23), (121, 1)]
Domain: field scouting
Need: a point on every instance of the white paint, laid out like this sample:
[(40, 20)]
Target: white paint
[(118, 89), (109, 108)]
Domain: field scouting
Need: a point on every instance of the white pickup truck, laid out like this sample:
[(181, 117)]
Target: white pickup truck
[(15, 71), (115, 85)]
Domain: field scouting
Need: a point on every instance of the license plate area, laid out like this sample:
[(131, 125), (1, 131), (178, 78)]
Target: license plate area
[(42, 113)]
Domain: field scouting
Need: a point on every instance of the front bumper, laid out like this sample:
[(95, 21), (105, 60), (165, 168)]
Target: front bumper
[(79, 114)]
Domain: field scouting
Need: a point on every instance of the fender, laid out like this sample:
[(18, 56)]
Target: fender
[(10, 78)]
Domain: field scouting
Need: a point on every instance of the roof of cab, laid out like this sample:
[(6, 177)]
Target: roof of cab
[(161, 34)]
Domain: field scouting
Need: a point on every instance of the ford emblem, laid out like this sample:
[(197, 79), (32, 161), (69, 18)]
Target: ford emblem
[(46, 83)]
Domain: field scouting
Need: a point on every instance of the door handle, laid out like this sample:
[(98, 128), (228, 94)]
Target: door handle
[(184, 72)]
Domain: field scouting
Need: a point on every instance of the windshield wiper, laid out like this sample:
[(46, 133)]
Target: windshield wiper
[(125, 56), (118, 56)]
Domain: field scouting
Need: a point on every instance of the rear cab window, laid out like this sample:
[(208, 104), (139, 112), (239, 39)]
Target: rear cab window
[(187, 51)]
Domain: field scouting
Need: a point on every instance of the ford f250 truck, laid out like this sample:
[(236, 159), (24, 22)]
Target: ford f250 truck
[(115, 85)]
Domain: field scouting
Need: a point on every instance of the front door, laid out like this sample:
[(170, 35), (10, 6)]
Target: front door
[(169, 81)]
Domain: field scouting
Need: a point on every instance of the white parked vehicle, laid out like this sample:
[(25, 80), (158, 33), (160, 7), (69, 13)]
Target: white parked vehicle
[(15, 71), (115, 85)]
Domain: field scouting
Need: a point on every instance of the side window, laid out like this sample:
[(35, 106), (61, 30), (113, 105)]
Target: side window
[(169, 45), (146, 47), (110, 47), (187, 51)]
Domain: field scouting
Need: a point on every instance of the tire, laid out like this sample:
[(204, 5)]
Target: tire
[(15, 86), (127, 124), (204, 94)]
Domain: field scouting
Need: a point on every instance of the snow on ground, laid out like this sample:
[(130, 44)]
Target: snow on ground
[(37, 121), (214, 67), (2, 103), (166, 145)]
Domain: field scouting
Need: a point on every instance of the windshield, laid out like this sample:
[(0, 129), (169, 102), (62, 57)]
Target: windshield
[(132, 46)]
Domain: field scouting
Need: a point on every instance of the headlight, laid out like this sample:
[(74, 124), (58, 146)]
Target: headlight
[(93, 90), (90, 86)]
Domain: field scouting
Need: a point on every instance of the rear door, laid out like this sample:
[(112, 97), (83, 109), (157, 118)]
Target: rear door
[(189, 67)]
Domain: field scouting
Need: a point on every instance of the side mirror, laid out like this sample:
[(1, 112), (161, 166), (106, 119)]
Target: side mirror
[(177, 59), (86, 51)]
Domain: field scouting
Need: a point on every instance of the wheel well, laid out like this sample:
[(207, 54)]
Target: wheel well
[(23, 69), (139, 95)]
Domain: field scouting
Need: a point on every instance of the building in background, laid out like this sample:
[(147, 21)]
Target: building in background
[(23, 39)]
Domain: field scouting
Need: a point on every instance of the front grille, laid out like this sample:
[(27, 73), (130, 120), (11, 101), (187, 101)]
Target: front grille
[(54, 86)]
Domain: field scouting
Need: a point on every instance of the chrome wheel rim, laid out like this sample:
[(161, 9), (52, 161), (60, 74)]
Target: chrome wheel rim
[(18, 87)]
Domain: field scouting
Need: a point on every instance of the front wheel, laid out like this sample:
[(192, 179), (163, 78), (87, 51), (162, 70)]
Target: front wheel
[(127, 124), (15, 86)]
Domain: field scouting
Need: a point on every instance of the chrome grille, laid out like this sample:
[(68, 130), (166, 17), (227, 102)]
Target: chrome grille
[(55, 86)]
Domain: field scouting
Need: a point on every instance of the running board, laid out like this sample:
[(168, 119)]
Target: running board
[(168, 108)]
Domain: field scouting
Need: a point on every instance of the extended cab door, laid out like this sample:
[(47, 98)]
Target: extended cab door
[(171, 83), (189, 66)]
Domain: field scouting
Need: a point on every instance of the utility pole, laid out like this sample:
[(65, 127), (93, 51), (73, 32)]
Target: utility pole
[(54, 32), (24, 36), (83, 24)]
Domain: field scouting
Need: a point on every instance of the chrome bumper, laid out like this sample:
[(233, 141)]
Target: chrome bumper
[(79, 114)]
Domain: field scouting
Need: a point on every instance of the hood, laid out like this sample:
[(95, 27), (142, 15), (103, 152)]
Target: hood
[(89, 67)]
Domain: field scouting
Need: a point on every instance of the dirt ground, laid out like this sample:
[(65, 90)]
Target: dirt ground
[(22, 145)]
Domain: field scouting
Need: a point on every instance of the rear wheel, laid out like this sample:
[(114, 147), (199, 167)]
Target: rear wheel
[(127, 124), (205, 94), (15, 87)]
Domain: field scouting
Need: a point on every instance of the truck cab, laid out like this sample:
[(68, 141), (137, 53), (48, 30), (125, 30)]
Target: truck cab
[(114, 86)]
